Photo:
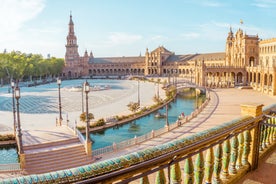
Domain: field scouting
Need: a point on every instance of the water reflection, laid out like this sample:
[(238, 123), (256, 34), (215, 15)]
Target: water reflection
[(146, 124)]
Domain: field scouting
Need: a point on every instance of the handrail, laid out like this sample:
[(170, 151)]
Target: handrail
[(148, 136), (80, 136), (242, 137)]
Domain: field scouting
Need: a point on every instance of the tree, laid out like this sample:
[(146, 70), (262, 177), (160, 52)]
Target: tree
[(83, 116), (133, 106), (157, 99), (18, 66)]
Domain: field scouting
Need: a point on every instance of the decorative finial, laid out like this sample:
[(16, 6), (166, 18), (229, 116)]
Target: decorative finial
[(241, 22)]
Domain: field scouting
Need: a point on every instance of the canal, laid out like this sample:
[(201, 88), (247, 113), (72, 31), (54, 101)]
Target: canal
[(145, 124)]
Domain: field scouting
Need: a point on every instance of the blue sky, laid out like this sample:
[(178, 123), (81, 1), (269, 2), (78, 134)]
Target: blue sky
[(128, 27)]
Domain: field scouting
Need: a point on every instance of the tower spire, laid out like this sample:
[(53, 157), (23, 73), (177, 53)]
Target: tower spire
[(71, 23)]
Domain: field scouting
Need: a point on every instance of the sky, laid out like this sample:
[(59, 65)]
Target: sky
[(114, 28)]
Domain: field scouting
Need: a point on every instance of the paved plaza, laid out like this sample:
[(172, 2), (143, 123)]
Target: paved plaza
[(224, 106), (39, 105)]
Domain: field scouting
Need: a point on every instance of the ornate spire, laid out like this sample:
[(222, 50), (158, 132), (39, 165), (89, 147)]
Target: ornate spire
[(71, 21), (230, 34)]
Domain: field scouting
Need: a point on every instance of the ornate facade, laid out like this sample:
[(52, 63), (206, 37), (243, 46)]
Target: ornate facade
[(247, 60)]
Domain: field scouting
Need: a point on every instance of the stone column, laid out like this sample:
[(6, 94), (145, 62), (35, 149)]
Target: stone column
[(22, 161), (254, 110)]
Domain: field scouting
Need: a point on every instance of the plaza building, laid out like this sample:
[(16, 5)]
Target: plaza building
[(247, 61)]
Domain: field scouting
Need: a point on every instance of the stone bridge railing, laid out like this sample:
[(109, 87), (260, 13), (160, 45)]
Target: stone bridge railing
[(221, 154)]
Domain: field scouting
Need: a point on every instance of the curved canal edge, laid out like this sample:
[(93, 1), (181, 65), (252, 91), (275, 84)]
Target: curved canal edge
[(145, 113)]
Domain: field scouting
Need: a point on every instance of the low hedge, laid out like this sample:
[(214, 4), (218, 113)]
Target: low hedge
[(7, 137)]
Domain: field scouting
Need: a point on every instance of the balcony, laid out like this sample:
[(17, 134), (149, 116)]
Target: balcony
[(222, 154)]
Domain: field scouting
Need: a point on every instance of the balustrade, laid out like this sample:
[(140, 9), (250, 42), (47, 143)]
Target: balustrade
[(227, 150)]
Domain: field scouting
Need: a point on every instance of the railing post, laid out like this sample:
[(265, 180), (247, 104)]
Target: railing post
[(189, 171), (135, 139), (257, 136), (144, 180), (199, 168), (246, 149), (225, 159), (217, 164), (273, 121), (240, 151), (114, 146), (272, 131), (160, 177), (152, 134), (175, 173), (209, 163), (268, 132), (234, 155), (263, 137), (256, 145)]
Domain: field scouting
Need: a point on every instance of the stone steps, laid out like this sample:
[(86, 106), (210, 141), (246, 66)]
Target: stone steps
[(50, 168), (55, 156), (53, 150), (51, 144), (52, 155)]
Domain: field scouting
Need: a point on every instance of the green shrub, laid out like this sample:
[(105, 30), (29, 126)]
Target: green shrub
[(7, 137)]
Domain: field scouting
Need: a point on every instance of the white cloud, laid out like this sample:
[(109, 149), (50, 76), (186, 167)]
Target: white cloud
[(264, 3), (158, 38), (14, 14), (216, 30), (121, 38), (212, 4), (191, 35)]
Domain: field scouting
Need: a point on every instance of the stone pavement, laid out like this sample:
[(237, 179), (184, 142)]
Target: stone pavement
[(39, 105), (265, 174), (224, 106), (31, 137)]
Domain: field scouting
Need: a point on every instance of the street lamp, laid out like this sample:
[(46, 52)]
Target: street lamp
[(167, 120), (82, 90), (158, 80), (88, 141), (17, 96), (59, 100), (13, 109), (138, 92)]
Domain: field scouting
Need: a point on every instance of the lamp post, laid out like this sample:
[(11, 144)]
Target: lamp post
[(158, 80), (17, 96), (82, 97), (59, 100), (167, 120), (88, 141), (138, 92), (13, 109)]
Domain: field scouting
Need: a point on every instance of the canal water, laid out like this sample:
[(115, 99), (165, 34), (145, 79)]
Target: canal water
[(116, 134), (8, 154), (145, 124)]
